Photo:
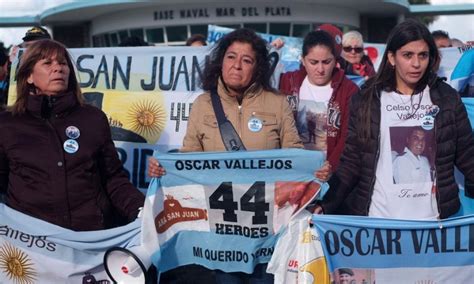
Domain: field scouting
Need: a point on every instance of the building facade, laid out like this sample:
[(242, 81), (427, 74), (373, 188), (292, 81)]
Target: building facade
[(171, 22)]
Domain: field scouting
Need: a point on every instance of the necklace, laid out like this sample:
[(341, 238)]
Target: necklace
[(413, 108)]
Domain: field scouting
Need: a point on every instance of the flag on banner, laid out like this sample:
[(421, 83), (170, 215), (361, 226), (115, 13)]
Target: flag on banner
[(224, 210), (462, 77), (34, 251), (397, 251)]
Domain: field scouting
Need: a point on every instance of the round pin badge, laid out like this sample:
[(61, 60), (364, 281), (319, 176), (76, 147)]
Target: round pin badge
[(433, 110), (427, 123), (73, 132), (71, 146), (255, 124)]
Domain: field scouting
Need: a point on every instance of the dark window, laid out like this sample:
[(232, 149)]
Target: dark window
[(113, 39), (123, 35), (137, 32), (300, 30), (230, 26), (96, 41), (257, 27), (177, 33), (155, 35), (199, 29), (280, 29), (106, 38)]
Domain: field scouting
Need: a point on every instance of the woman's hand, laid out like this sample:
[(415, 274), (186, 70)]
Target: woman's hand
[(318, 210), (154, 168), (324, 173)]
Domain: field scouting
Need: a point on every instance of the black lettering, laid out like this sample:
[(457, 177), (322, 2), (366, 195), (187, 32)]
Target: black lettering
[(377, 242), (179, 165), (417, 240), (196, 70), (102, 69), (51, 247), (432, 241), (331, 240), (89, 72), (182, 70), (163, 86), (125, 76), (444, 241), (348, 248), (358, 242), (220, 229), (150, 86), (40, 243), (197, 251), (393, 240), (471, 237), (458, 241)]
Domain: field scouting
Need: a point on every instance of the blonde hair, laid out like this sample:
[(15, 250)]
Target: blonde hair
[(352, 35)]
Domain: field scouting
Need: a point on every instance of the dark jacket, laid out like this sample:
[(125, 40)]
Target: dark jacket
[(338, 110), (352, 185), (78, 190)]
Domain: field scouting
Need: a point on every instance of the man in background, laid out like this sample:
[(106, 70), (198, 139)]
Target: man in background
[(441, 39)]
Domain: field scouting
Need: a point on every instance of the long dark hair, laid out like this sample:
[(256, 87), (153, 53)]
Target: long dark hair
[(385, 78), (41, 49), (213, 68)]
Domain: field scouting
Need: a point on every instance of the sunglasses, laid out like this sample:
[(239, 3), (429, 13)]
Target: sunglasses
[(350, 48)]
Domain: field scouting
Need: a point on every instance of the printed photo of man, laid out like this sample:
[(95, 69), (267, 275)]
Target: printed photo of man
[(346, 276), (412, 165)]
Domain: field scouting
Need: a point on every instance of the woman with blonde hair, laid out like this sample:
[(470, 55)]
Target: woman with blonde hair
[(356, 62)]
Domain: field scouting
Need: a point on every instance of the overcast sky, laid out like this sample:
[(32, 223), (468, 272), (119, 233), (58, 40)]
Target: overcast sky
[(461, 27)]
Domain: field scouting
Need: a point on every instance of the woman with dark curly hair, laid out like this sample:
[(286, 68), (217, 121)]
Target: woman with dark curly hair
[(239, 72)]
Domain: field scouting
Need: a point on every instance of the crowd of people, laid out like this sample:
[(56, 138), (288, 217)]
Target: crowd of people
[(58, 161)]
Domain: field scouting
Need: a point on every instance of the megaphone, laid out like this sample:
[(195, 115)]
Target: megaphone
[(127, 265)]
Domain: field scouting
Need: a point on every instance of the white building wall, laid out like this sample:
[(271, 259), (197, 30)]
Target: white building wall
[(228, 13)]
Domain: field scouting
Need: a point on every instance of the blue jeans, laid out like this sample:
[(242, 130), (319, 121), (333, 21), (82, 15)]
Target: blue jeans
[(259, 276)]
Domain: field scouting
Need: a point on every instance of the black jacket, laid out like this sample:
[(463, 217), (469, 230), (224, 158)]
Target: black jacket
[(352, 185), (79, 189)]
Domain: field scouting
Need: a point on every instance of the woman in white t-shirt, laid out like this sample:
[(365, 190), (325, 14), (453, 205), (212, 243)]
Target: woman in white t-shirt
[(407, 131), (319, 93)]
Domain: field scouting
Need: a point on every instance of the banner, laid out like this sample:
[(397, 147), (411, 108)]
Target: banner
[(462, 76), (224, 210), (34, 251), (397, 251)]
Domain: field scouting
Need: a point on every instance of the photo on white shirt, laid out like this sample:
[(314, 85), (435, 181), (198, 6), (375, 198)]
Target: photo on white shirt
[(412, 154)]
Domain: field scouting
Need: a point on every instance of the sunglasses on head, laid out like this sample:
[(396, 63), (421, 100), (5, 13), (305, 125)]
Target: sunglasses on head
[(350, 48)]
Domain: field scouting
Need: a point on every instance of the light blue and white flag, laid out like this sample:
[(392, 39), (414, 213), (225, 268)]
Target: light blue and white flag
[(398, 251), (462, 77), (224, 210), (34, 251)]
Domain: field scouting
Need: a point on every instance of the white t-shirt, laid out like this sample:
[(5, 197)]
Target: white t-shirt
[(405, 174), (312, 115)]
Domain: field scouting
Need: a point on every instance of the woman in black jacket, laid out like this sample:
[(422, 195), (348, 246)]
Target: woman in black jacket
[(58, 162), (407, 131)]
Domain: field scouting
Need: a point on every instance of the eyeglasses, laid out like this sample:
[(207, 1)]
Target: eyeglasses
[(350, 48)]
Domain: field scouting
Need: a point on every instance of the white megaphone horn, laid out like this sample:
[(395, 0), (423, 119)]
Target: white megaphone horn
[(127, 265)]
